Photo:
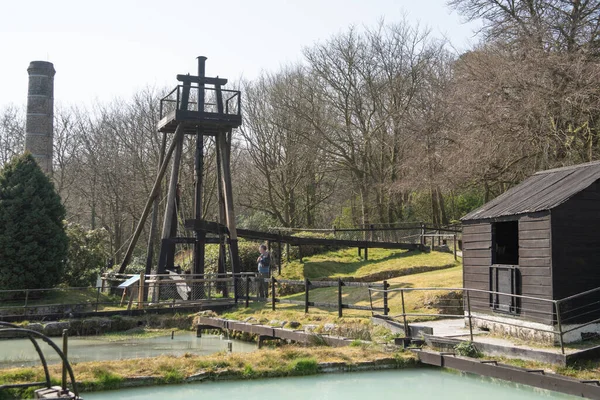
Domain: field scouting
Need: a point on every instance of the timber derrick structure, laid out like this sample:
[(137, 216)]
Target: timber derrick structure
[(198, 106)]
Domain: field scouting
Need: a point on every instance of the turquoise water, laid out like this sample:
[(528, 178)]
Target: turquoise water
[(423, 383), (20, 352)]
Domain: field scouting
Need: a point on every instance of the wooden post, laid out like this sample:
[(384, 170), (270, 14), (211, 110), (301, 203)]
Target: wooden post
[(360, 252), (141, 290), (422, 234), (123, 297), (432, 242), (154, 221), (222, 220), (340, 284), (454, 246), (170, 221), (65, 336), (386, 286), (229, 215), (273, 293), (247, 291), (131, 296), (366, 252), (306, 284), (199, 244), (279, 254)]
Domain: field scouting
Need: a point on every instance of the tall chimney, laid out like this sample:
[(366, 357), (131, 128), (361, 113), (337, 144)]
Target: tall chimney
[(40, 113)]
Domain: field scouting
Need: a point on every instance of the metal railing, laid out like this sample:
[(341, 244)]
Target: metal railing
[(120, 292), (229, 101), (274, 291), (555, 317)]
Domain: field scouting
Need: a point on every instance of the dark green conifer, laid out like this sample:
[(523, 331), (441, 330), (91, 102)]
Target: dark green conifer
[(33, 242)]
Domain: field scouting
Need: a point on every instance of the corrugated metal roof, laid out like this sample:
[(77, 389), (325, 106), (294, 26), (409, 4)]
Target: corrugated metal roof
[(542, 191)]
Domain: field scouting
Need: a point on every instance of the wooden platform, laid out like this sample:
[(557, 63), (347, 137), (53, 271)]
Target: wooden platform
[(211, 123)]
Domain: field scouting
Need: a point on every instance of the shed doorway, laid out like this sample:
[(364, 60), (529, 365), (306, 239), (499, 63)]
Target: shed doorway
[(504, 273)]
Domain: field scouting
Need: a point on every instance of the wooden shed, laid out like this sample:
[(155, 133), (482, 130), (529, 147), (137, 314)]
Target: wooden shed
[(540, 239)]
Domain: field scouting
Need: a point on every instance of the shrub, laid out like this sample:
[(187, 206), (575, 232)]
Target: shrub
[(467, 349), (33, 242), (86, 255), (304, 366)]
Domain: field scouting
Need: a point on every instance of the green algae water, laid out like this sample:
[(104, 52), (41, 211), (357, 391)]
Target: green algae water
[(20, 352), (420, 383)]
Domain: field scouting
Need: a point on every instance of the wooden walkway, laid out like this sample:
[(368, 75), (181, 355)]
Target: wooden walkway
[(269, 332), (216, 228)]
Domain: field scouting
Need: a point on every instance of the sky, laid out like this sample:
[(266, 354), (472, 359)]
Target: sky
[(110, 49)]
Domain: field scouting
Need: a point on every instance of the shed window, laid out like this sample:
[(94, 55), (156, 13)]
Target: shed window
[(505, 243)]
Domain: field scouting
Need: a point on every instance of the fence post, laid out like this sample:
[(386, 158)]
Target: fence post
[(273, 293), (306, 284), (386, 286), (340, 284), (371, 228), (98, 297), (366, 252), (454, 246), (558, 323), (422, 234), (141, 290), (65, 336), (279, 253), (236, 288), (469, 314), (248, 291), (406, 332)]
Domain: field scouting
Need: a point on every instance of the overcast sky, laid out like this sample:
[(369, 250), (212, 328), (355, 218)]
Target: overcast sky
[(106, 49)]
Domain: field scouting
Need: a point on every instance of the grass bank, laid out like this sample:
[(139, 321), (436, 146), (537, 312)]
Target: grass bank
[(284, 361), (346, 263)]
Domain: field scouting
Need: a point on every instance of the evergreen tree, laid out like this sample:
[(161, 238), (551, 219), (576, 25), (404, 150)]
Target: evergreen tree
[(33, 242)]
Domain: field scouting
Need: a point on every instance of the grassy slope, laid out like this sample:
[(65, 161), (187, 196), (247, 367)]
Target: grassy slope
[(414, 301), (345, 263)]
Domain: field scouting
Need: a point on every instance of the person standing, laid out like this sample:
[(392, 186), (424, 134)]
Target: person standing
[(264, 271)]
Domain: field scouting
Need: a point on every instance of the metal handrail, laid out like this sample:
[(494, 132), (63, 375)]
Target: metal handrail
[(465, 290)]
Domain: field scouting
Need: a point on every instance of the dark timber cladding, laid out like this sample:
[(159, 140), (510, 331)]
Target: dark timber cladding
[(539, 239)]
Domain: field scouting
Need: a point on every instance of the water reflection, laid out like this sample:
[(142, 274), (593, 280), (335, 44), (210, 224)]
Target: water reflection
[(20, 352)]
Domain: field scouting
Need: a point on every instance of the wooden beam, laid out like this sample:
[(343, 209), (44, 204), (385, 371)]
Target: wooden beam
[(200, 80), (169, 220), (155, 189)]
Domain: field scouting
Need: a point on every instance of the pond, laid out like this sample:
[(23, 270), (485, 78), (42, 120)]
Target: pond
[(20, 352), (421, 383)]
